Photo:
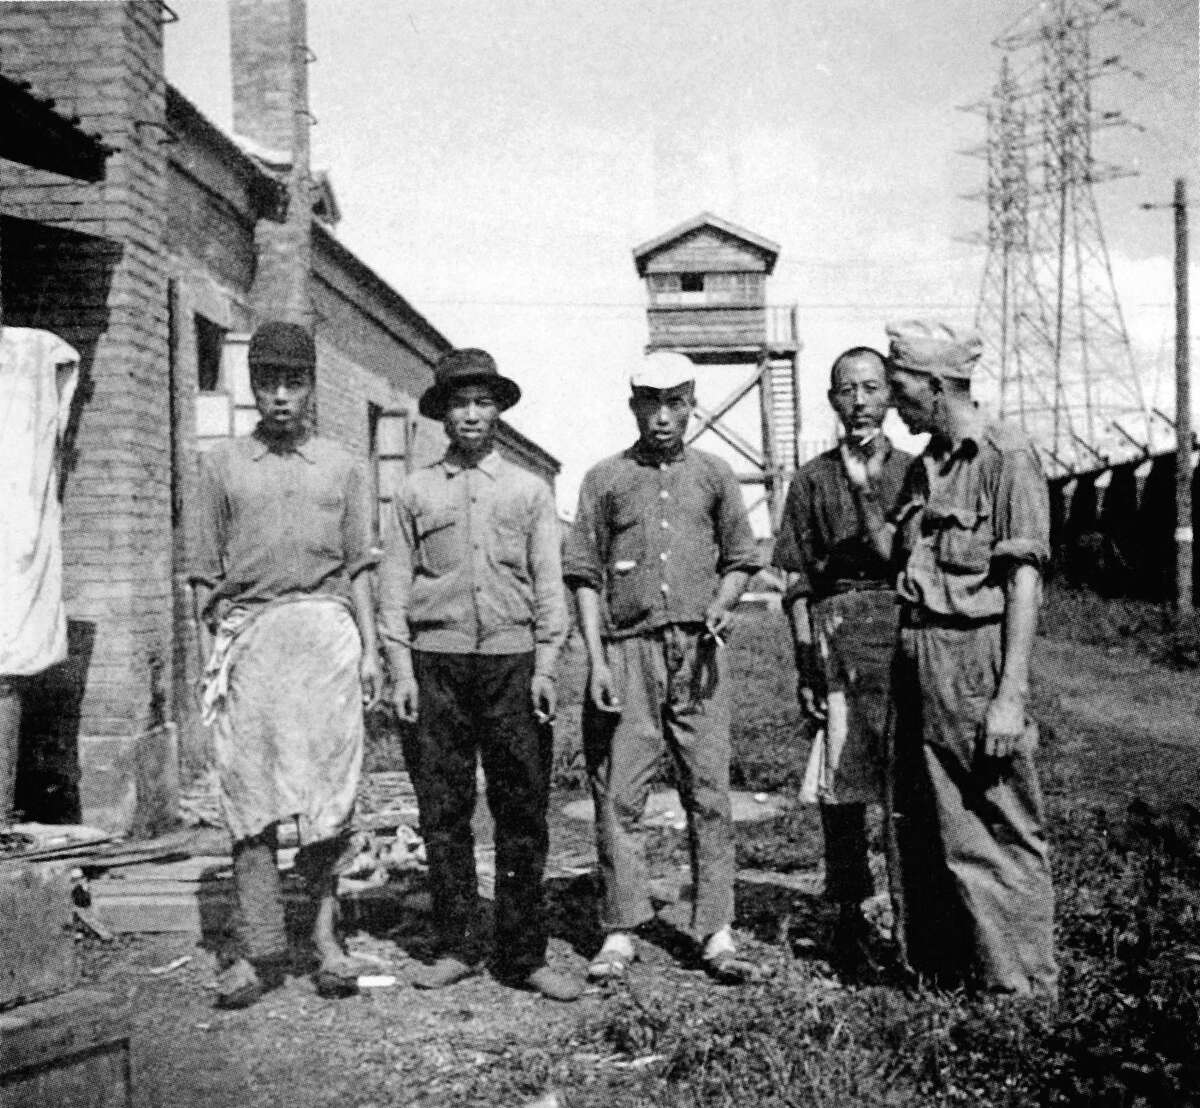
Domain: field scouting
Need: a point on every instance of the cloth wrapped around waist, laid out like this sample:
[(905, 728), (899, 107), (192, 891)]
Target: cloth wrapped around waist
[(282, 694)]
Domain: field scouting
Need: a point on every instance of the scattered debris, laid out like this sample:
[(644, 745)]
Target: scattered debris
[(86, 918), (171, 966)]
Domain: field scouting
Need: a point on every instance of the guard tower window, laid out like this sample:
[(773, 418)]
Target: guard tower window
[(210, 341), (691, 282)]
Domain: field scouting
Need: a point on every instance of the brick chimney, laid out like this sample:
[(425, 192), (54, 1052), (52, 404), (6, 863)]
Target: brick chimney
[(269, 53)]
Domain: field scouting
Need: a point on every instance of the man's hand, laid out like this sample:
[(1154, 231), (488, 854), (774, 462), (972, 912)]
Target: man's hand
[(370, 676), (1004, 726), (404, 697), (544, 694), (857, 472), (718, 619), (810, 704), (602, 689)]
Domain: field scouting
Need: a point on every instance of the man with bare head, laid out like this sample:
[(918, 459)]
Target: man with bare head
[(841, 606)]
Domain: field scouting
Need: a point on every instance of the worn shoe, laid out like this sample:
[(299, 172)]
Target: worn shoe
[(337, 977), (614, 957), (554, 985), (444, 972), (721, 962), (239, 986)]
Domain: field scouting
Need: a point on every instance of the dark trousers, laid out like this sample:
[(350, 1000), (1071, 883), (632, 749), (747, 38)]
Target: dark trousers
[(477, 705), (847, 871)]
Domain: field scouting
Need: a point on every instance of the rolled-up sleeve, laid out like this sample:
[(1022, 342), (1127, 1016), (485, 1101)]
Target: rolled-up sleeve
[(550, 604), (211, 523), (357, 546), (1022, 510), (793, 548), (395, 576), (738, 550), (583, 552)]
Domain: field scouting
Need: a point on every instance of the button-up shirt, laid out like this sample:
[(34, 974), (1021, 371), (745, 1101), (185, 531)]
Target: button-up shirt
[(273, 522), (821, 542), (471, 564), (967, 514), (654, 536)]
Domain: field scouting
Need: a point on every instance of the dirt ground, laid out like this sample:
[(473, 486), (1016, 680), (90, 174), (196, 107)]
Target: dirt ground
[(1116, 725)]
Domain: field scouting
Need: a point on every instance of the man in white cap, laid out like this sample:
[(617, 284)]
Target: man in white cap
[(972, 535), (659, 554)]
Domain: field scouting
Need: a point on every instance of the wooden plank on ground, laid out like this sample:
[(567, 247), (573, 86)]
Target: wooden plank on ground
[(37, 933)]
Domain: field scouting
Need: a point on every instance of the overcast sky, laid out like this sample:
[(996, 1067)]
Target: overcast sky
[(497, 162)]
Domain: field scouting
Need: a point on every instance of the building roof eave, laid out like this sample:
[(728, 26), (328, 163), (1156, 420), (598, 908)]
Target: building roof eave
[(642, 253), (36, 135)]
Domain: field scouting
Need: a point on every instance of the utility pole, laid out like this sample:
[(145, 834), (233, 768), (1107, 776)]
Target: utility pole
[(1184, 603), (1183, 414)]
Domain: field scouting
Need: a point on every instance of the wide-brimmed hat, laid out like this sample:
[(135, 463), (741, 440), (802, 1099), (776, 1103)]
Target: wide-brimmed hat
[(465, 367), (933, 347), (286, 345)]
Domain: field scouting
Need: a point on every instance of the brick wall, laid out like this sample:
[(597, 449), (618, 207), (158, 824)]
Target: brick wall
[(104, 63)]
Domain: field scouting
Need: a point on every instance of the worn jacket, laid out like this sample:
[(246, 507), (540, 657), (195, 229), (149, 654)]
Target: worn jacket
[(471, 564), (654, 538)]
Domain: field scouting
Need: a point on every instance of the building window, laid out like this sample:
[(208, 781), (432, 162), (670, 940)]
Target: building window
[(210, 342), (691, 282), (388, 445)]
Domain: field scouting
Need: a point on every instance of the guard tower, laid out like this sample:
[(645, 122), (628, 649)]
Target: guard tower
[(706, 283)]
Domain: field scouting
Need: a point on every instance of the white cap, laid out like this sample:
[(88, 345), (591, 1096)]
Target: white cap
[(663, 369)]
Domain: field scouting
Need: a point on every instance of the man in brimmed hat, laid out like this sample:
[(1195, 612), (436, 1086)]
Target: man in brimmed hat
[(842, 608), (284, 608), (473, 615), (659, 554), (972, 532)]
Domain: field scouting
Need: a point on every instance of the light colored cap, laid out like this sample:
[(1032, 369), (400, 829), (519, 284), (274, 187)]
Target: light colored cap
[(663, 369), (929, 346)]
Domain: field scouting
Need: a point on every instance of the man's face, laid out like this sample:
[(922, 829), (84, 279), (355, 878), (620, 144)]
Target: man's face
[(471, 415), (860, 395), (281, 394), (662, 416), (915, 396)]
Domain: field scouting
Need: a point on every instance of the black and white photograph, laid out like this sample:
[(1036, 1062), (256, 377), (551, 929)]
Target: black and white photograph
[(599, 554)]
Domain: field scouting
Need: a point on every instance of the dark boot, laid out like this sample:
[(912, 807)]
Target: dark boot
[(850, 949)]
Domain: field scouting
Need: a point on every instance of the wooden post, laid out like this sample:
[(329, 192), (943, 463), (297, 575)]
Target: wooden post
[(1183, 415)]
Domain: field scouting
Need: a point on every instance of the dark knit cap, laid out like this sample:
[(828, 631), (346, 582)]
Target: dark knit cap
[(287, 345)]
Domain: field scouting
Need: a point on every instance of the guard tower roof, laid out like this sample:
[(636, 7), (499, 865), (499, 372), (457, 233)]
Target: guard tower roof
[(768, 249)]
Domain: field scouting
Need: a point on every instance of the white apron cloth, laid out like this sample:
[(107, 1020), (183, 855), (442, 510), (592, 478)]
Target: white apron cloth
[(38, 373)]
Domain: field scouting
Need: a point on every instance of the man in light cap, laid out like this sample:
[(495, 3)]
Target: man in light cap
[(658, 556), (472, 615), (972, 535), (284, 610)]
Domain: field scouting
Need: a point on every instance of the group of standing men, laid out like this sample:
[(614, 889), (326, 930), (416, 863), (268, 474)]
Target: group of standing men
[(472, 614)]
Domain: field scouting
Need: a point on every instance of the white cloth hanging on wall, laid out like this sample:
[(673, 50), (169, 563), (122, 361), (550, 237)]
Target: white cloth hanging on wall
[(38, 374)]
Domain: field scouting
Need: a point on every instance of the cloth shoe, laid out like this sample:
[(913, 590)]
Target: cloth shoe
[(722, 964), (613, 958), (554, 985), (446, 971), (243, 983)]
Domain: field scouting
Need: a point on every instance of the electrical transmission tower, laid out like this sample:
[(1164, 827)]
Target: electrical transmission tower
[(1054, 331)]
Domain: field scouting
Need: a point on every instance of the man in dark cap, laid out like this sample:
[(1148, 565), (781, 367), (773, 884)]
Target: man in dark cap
[(842, 608), (473, 615), (972, 534), (283, 604)]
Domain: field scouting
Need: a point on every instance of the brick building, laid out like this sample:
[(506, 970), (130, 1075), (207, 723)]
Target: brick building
[(157, 274)]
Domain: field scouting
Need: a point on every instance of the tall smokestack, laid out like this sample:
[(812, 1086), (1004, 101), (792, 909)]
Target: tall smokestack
[(269, 52)]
